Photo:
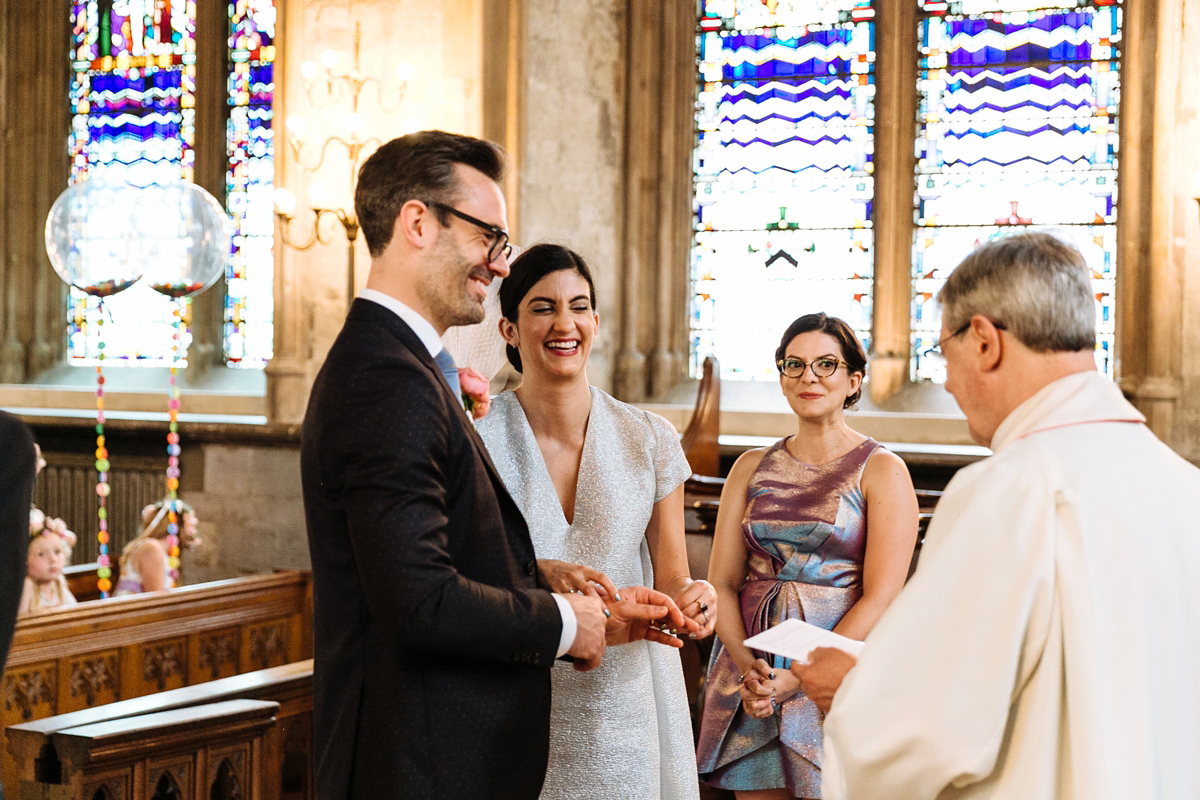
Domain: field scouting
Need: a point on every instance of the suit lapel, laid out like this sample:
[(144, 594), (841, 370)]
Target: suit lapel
[(373, 312)]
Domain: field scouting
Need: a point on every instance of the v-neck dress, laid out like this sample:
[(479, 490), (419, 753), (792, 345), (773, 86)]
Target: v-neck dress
[(621, 730)]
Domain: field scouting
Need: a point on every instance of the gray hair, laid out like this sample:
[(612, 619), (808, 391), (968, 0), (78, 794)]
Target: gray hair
[(1037, 285)]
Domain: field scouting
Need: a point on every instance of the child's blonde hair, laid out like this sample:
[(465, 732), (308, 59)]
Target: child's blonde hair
[(155, 518)]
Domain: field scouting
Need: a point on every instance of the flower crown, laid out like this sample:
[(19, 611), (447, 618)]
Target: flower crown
[(40, 524)]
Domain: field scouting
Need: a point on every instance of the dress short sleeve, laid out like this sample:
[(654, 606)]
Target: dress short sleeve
[(671, 467)]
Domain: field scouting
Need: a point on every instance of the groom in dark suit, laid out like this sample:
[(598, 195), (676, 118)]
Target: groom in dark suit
[(433, 638)]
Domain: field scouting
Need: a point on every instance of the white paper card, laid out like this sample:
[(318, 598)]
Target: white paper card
[(795, 639)]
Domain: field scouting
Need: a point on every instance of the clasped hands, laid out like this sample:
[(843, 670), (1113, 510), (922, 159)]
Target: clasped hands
[(610, 616), (764, 689)]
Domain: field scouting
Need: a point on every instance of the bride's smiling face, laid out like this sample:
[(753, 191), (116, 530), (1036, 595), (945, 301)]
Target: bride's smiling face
[(556, 325)]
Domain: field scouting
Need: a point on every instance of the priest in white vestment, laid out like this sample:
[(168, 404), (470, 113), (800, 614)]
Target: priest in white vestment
[(1048, 645)]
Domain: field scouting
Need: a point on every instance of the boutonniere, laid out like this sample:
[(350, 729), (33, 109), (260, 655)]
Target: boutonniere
[(476, 399)]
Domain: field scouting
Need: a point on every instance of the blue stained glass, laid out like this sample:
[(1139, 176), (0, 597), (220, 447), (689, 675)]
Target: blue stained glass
[(783, 175), (249, 301), (132, 98), (1017, 129)]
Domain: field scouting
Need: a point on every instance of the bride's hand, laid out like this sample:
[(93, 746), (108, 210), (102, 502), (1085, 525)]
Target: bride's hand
[(698, 602), (564, 577), (644, 613)]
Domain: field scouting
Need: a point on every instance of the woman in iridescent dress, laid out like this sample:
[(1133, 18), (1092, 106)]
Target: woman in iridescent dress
[(819, 526), (600, 483)]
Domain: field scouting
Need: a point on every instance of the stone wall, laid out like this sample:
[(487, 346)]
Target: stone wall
[(571, 160), (247, 498)]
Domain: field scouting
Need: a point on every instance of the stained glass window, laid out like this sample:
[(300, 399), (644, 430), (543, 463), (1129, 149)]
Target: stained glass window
[(1017, 127), (133, 98), (133, 103), (783, 175), (250, 279)]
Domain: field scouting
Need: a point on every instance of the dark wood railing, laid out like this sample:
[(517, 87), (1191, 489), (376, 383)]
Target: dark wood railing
[(74, 658), (287, 758)]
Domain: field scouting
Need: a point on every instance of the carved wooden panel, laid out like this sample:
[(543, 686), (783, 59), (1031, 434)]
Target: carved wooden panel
[(30, 693), (217, 654), (91, 680), (266, 645), (227, 777), (164, 665), (171, 781), (110, 787)]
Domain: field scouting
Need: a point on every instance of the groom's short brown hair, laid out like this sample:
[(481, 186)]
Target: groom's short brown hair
[(419, 166)]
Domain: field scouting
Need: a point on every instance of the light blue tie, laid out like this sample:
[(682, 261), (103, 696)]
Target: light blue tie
[(445, 363)]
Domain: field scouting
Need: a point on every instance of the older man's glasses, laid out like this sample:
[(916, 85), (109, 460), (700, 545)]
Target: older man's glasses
[(936, 350), (822, 367), (499, 242)]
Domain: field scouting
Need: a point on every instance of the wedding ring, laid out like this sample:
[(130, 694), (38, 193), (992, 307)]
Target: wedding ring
[(607, 614), (703, 607), (705, 613)]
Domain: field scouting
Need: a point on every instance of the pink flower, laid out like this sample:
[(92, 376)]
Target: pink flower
[(56, 525), (476, 398), (37, 521)]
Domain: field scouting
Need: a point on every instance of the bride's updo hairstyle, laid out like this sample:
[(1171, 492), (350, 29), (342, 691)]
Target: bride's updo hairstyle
[(530, 267)]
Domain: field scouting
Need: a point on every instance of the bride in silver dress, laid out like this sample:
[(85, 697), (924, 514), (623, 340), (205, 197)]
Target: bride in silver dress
[(600, 483)]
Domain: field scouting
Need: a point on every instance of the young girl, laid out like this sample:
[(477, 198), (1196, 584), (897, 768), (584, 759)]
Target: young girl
[(144, 566), (45, 586)]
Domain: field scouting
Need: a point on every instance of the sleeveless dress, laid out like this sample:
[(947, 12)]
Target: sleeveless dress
[(621, 731), (130, 580), (806, 532)]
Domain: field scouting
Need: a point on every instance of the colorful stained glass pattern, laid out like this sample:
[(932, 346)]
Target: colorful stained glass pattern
[(1017, 130), (783, 175), (132, 100), (249, 301)]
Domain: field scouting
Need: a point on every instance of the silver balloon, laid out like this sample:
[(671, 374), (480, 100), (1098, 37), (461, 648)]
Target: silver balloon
[(190, 235), (93, 237)]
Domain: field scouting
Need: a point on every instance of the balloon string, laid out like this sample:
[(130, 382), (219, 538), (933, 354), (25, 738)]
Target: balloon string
[(104, 572), (173, 448)]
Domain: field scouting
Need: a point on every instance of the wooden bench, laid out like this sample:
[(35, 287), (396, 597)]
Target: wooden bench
[(213, 751), (82, 580), (700, 439), (289, 755), (69, 659)]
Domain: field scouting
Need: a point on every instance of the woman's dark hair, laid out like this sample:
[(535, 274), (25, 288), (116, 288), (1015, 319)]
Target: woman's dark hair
[(419, 166), (852, 349), (530, 267)]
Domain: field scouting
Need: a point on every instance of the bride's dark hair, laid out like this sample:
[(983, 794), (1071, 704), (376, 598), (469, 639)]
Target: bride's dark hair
[(530, 267)]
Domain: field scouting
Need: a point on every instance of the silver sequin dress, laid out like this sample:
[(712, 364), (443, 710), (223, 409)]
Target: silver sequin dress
[(621, 730)]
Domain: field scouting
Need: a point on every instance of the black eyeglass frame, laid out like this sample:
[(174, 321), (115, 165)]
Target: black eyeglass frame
[(937, 348), (501, 245), (779, 365)]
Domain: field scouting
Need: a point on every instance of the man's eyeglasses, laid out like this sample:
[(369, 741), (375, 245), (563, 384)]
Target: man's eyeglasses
[(936, 350), (822, 367), (500, 244)]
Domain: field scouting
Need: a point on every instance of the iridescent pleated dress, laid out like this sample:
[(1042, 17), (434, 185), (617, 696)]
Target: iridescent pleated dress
[(621, 731), (806, 533)]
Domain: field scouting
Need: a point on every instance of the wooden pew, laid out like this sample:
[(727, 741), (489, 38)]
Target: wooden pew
[(69, 659), (699, 438), (289, 757), (208, 751), (82, 578)]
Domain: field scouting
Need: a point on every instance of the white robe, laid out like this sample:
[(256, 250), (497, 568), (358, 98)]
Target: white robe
[(1049, 644)]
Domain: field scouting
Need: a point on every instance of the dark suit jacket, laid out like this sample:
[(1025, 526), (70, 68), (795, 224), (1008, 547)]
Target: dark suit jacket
[(433, 641), (17, 469)]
